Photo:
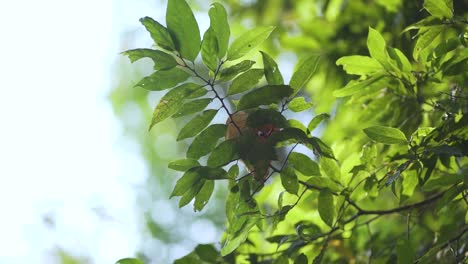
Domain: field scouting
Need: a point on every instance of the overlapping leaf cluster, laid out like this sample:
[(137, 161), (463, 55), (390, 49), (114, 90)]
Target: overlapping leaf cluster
[(413, 154)]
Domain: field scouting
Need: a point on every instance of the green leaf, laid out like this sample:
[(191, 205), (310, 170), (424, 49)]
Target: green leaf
[(289, 180), (330, 168), (299, 104), (233, 241), (326, 206), (271, 70), (185, 182), (264, 96), (405, 251), (209, 50), (162, 60), (316, 121), (191, 107), (224, 153), (206, 141), (402, 61), (372, 84), (304, 71), (359, 65), (297, 124), (129, 261), (183, 164), (170, 103), (248, 41), (301, 259), (245, 81), (191, 258), (320, 148), (303, 164), (220, 26), (377, 47), (203, 196), (233, 171), (191, 192), (159, 33), (386, 135), (439, 8), (183, 28), (162, 80), (426, 38), (231, 72), (324, 182), (207, 253), (197, 124)]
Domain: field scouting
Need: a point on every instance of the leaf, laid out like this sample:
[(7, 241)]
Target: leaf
[(233, 171), (183, 164), (207, 253), (209, 50), (193, 190), (426, 39), (233, 241), (191, 107), (129, 261), (303, 73), (203, 196), (320, 148), (264, 96), (183, 28), (324, 182), (402, 61), (405, 251), (330, 168), (316, 121), (377, 47), (297, 124), (220, 26), (359, 65), (299, 104), (303, 164), (197, 124), (206, 141), (301, 259), (386, 135), (248, 41), (271, 70), (191, 258), (185, 182), (245, 81), (224, 153), (170, 103), (162, 80), (372, 84), (162, 60), (159, 33), (231, 72), (289, 180), (326, 206), (439, 8)]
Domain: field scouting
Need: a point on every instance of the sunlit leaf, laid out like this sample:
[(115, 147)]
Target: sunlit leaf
[(264, 96), (162, 80), (191, 107), (316, 121), (220, 26), (324, 182), (359, 65), (209, 50), (271, 70), (162, 60), (296, 124), (129, 261), (304, 71), (159, 33), (201, 199), (374, 83), (425, 39), (184, 29), (206, 141), (386, 135), (183, 164), (439, 8), (289, 180), (303, 164), (245, 81), (330, 168), (197, 124), (231, 72), (233, 171), (326, 206), (377, 47), (248, 41), (299, 104)]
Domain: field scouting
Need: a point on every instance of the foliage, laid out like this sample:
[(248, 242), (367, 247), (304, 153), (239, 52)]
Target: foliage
[(393, 185)]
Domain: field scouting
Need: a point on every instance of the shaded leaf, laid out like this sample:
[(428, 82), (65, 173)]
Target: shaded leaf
[(316, 121), (231, 72), (209, 50), (202, 197), (301, 259), (191, 107), (386, 135), (359, 65), (304, 71), (299, 104), (219, 24), (162, 60), (264, 96), (224, 153), (248, 41), (245, 81), (207, 252), (326, 206), (159, 33), (197, 124), (162, 80), (271, 70), (183, 164), (233, 171), (129, 261), (193, 190), (185, 182), (405, 251), (206, 141), (372, 84), (289, 180), (303, 164)]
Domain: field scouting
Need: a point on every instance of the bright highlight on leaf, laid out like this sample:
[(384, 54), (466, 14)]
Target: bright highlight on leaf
[(248, 41), (386, 135)]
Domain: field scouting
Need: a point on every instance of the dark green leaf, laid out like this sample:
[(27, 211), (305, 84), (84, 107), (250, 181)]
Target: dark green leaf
[(162, 80), (304, 71), (191, 192), (271, 70), (441, 182), (326, 206), (320, 148), (233, 171), (162, 60), (248, 41), (202, 197), (159, 33), (262, 117), (304, 164), (245, 81), (209, 50), (289, 180), (231, 72), (316, 121), (405, 251), (191, 107), (386, 135), (301, 259), (171, 102), (206, 141), (129, 261), (197, 124), (183, 164), (207, 253), (220, 25), (439, 8), (188, 259), (183, 28), (185, 182), (299, 104), (224, 153), (374, 83), (330, 168), (264, 96), (359, 65)]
